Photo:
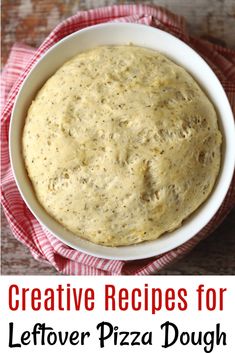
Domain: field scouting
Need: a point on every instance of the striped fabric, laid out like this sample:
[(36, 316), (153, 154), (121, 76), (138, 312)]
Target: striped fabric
[(43, 245)]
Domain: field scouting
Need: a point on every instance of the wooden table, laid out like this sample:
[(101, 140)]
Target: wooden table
[(29, 21)]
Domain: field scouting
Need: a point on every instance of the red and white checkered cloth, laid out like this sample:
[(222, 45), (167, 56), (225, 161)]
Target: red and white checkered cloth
[(43, 245)]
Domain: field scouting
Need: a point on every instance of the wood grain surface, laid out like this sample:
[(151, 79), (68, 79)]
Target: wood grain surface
[(30, 21)]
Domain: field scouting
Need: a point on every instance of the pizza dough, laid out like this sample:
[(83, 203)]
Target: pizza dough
[(121, 145)]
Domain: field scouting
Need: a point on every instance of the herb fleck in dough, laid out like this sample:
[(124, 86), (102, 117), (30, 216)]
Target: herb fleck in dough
[(121, 145)]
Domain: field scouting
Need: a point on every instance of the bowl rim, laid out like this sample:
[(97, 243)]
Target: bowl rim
[(101, 252)]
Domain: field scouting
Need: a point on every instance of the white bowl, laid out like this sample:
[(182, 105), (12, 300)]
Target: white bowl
[(140, 35)]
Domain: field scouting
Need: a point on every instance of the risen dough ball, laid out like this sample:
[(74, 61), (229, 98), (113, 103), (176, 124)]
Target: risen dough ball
[(121, 145)]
